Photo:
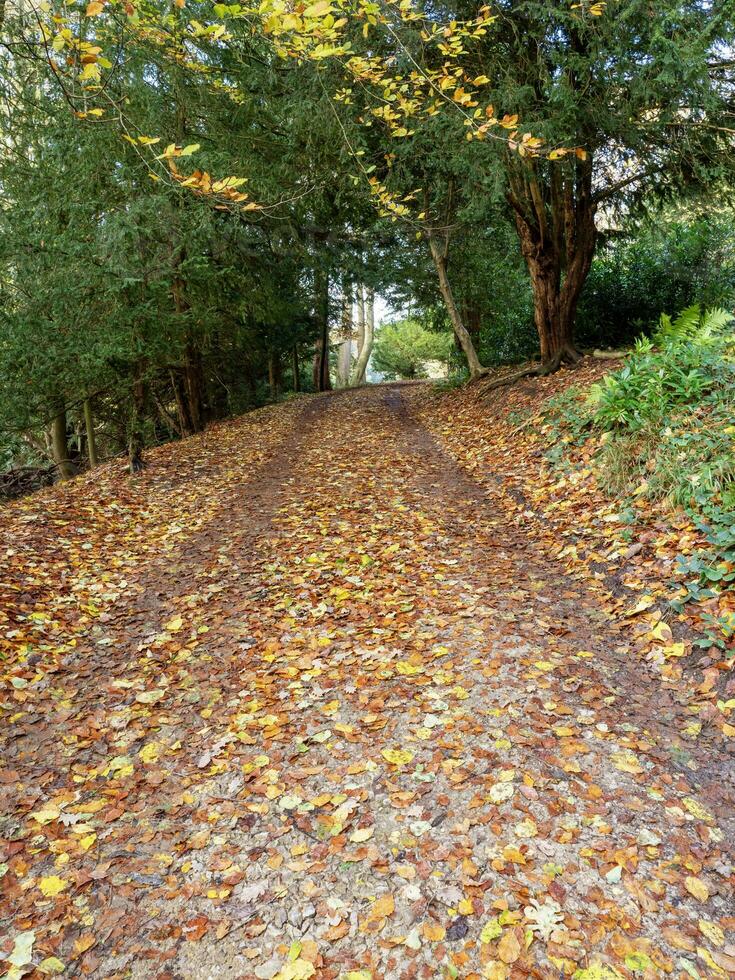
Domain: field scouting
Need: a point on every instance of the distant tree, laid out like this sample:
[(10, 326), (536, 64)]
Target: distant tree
[(403, 348)]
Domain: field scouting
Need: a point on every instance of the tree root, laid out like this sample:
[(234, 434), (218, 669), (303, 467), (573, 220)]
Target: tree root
[(567, 354)]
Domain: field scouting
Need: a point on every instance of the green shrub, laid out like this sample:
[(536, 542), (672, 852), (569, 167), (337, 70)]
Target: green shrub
[(688, 358), (666, 263), (668, 425)]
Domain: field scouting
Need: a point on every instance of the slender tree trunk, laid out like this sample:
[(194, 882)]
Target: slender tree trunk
[(170, 422), (60, 446), (344, 354), (274, 374), (439, 256), (91, 440), (136, 436), (360, 304), (322, 381), (366, 314), (295, 370), (182, 409), (194, 384)]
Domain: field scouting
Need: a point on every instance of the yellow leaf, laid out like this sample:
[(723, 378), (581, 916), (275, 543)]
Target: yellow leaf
[(297, 969), (627, 762), (382, 907), (697, 810), (645, 601), (46, 815), (662, 631), (397, 757), (52, 885), (711, 963), (361, 835), (491, 931), (51, 965), (150, 697), (526, 828), (319, 9), (149, 752), (175, 624), (696, 887), (712, 931), (94, 8), (509, 949), (433, 931), (674, 650)]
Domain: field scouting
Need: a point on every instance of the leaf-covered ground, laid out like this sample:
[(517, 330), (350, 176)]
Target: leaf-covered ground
[(306, 699)]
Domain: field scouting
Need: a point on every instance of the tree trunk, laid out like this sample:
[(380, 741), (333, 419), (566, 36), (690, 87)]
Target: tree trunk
[(366, 315), (60, 446), (295, 370), (555, 221), (344, 354), (274, 374), (360, 303), (193, 371), (171, 424), (460, 331), (136, 435), (554, 299), (194, 385), (91, 440), (322, 381), (182, 409)]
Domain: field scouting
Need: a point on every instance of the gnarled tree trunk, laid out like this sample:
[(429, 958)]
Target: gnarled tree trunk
[(555, 219)]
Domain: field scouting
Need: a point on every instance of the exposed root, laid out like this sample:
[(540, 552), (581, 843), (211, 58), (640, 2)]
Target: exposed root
[(567, 355)]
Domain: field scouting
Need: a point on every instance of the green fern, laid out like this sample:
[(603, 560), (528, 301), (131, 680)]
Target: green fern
[(693, 324)]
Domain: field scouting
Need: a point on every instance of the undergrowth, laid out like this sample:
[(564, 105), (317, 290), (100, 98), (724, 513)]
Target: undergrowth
[(663, 429)]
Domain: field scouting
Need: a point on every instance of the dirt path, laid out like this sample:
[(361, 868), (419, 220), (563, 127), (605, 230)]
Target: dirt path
[(354, 723)]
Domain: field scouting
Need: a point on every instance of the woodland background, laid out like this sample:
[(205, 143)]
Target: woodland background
[(140, 300)]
